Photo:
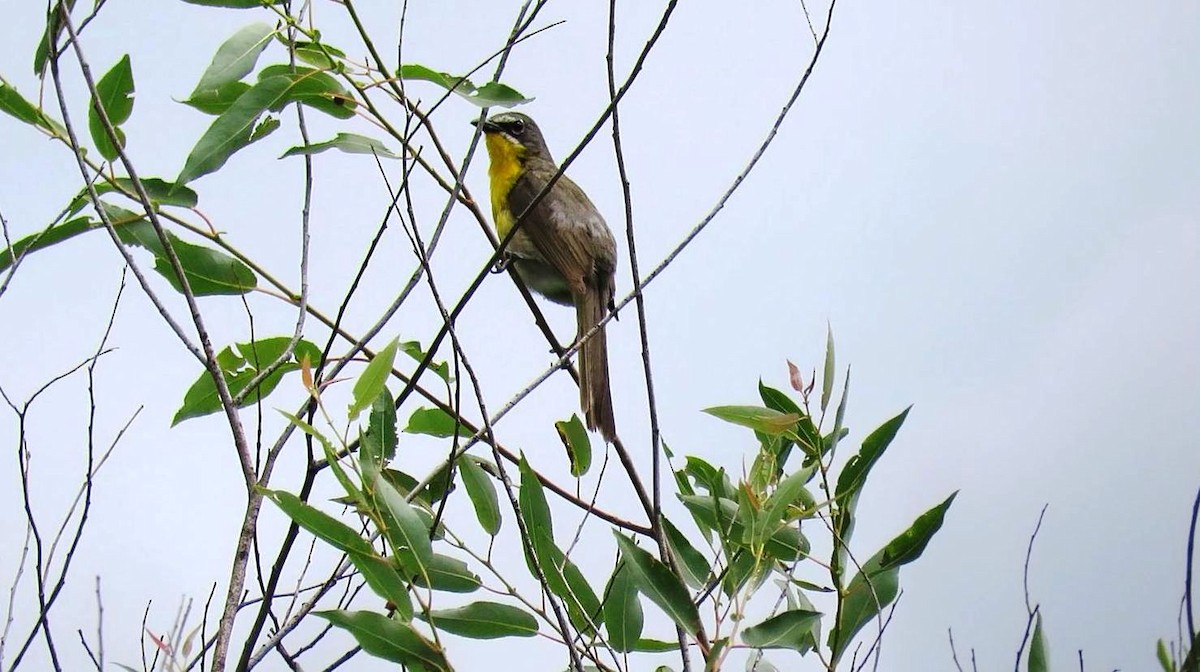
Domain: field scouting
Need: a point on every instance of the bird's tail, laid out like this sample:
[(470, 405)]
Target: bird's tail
[(595, 396)]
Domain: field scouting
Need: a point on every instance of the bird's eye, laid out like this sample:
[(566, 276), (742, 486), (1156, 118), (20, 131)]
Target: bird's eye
[(518, 127)]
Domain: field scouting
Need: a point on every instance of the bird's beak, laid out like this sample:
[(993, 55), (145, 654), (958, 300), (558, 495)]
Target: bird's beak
[(486, 125)]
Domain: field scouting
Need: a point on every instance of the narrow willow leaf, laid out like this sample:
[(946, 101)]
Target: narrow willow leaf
[(482, 493), (489, 95), (323, 56), (532, 500), (623, 618), (413, 349), (656, 646), (240, 364), (320, 524), (838, 427), (432, 422), (564, 579), (865, 598), (878, 582), (654, 580), (45, 238), (160, 191), (14, 104), (827, 375), (1038, 655), (789, 630), (575, 440), (208, 271), (383, 578), (217, 101), (1164, 657), (378, 445), (238, 125), (911, 543), (775, 511), (114, 94), (235, 58), (231, 4), (404, 529), (484, 620), (448, 574), (313, 87), (854, 474), (691, 563), (54, 29), (372, 380), (758, 418), (350, 143), (389, 639)]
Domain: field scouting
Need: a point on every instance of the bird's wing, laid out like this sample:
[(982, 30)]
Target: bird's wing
[(566, 229)]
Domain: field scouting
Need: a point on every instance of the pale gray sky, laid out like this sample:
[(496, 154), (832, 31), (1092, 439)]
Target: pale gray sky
[(996, 207)]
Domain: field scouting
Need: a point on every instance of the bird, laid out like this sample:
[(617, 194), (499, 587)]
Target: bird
[(562, 250)]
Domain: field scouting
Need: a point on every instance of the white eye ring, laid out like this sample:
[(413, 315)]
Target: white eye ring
[(519, 126)]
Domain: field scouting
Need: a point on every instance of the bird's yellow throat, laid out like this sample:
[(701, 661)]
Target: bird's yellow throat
[(506, 166)]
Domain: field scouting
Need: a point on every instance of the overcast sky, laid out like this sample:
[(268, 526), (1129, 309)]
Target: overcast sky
[(996, 206)]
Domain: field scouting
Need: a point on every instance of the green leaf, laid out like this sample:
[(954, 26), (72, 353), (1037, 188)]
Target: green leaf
[(714, 480), (403, 528), (15, 105), (485, 620), (378, 445), (209, 272), (217, 101), (854, 474), (579, 447), (161, 192), (372, 380), (323, 56), (350, 143), (691, 563), (758, 418), (878, 582), (389, 639), (240, 364), (827, 375), (427, 495), (788, 630), (320, 524), (235, 59), (413, 349), (622, 611), (775, 511), (532, 500), (381, 576), (114, 94), (432, 422), (54, 28), (1038, 657), (911, 543), (838, 428), (482, 493), (655, 580), (656, 646), (236, 128), (564, 579), (448, 574), (45, 238), (488, 95), (1164, 657), (312, 87)]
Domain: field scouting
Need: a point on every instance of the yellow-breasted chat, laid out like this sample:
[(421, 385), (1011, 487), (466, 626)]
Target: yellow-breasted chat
[(563, 250)]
